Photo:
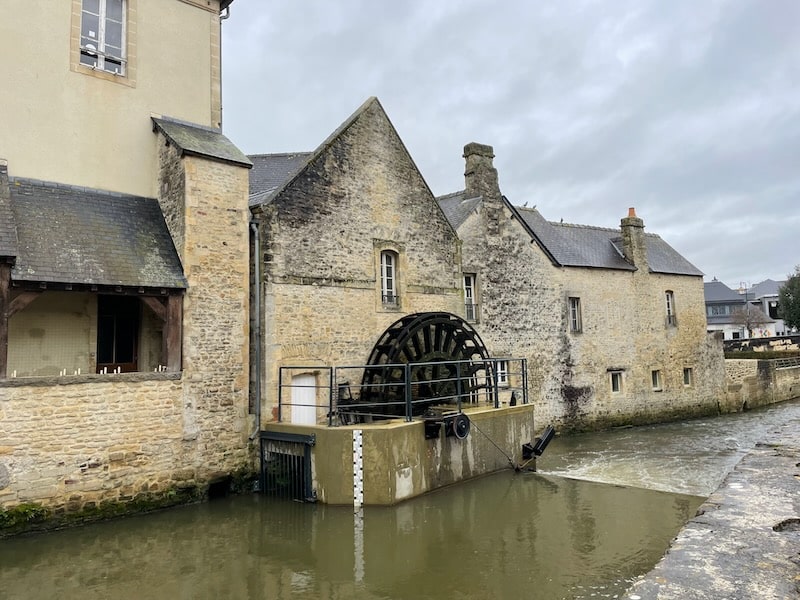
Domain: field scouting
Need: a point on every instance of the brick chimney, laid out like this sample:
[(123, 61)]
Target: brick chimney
[(634, 245)]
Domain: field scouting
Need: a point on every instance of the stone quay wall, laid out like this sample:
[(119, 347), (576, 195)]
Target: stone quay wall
[(72, 443), (752, 383)]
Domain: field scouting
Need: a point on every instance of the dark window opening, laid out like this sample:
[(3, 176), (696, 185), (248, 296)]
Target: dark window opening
[(117, 333)]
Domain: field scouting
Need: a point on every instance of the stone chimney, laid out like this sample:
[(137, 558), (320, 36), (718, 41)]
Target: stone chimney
[(634, 245), (480, 176)]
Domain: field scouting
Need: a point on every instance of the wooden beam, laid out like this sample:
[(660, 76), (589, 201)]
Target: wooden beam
[(173, 332), (21, 301), (156, 306), (5, 284)]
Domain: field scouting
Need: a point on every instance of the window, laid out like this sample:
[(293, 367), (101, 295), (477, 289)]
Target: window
[(389, 278), (117, 333), (470, 307), (669, 297), (575, 324), (616, 381), (656, 377), (502, 373), (102, 44), (736, 335), (688, 377)]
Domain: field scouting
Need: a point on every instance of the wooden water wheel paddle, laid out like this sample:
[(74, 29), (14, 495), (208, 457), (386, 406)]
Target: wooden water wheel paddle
[(431, 343)]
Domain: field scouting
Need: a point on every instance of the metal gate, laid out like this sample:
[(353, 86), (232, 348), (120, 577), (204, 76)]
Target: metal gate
[(286, 466)]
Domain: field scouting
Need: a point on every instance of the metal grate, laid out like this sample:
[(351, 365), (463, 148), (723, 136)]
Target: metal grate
[(286, 466)]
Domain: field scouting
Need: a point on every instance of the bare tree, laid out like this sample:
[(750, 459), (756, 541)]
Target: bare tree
[(750, 317)]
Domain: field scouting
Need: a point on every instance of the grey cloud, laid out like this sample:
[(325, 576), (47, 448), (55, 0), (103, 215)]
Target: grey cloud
[(686, 110)]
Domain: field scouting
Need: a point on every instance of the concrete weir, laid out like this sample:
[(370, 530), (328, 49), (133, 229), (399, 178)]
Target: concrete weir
[(745, 540)]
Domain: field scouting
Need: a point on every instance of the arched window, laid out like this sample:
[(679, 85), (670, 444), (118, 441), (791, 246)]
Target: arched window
[(389, 278)]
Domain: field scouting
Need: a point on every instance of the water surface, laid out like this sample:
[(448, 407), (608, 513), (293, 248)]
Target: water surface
[(601, 511)]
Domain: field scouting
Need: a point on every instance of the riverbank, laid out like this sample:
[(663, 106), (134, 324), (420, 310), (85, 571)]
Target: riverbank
[(745, 540)]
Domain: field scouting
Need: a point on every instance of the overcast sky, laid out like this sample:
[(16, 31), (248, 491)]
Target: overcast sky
[(688, 111)]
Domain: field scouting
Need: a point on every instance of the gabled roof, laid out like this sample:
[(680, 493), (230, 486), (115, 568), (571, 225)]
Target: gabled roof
[(717, 292), (303, 160), (457, 208), (271, 171), (197, 140), (768, 287), (8, 228), (571, 245), (600, 247), (77, 235)]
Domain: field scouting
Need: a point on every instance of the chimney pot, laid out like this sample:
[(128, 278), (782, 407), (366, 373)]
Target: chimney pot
[(631, 212)]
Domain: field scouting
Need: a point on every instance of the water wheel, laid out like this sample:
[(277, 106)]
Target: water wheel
[(432, 344)]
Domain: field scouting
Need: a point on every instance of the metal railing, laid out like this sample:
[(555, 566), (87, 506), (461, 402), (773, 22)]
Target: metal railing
[(343, 395), (787, 363)]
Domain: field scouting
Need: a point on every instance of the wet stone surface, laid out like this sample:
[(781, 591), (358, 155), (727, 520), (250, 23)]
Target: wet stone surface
[(745, 540)]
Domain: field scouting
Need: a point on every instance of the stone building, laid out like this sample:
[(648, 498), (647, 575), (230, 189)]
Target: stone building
[(599, 327), (611, 321), (124, 256)]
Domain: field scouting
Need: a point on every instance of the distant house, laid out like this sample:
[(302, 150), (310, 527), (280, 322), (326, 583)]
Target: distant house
[(732, 311), (765, 296)]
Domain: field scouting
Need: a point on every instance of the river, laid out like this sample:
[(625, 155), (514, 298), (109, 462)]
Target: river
[(601, 510)]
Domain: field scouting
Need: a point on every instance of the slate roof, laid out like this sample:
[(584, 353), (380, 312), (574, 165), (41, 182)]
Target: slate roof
[(202, 141), (77, 235), (577, 245), (271, 171), (457, 208), (8, 229), (717, 292), (768, 287)]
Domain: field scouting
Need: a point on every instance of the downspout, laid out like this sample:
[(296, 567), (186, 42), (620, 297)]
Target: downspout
[(222, 16), (257, 310)]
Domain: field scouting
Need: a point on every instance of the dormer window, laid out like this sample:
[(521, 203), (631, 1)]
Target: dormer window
[(102, 44), (389, 278)]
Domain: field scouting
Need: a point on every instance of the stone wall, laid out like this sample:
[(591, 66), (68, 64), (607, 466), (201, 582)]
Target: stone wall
[(752, 383), (520, 309), (70, 443), (215, 256)]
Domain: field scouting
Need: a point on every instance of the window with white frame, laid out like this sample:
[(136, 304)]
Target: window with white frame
[(575, 319), (655, 375), (103, 24), (616, 381), (688, 376), (502, 373), (470, 307), (669, 298), (389, 278)]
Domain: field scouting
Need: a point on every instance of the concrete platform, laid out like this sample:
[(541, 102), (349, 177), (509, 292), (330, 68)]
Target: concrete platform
[(745, 541)]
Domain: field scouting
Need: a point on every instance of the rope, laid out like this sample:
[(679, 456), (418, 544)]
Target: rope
[(510, 460)]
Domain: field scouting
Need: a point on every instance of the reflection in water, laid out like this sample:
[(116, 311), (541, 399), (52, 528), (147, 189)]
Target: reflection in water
[(505, 536), (510, 535)]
